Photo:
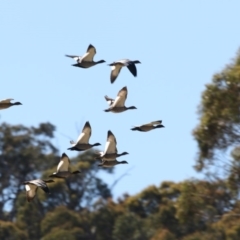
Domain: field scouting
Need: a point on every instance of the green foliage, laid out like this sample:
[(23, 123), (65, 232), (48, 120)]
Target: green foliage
[(104, 217), (164, 234), (65, 220), (219, 114), (129, 226), (29, 216), (9, 231)]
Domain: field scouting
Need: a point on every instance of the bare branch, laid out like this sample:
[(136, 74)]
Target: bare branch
[(122, 176)]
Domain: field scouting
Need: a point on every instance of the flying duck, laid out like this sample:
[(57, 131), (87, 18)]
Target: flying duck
[(33, 185), (63, 168), (110, 152), (82, 143), (149, 126), (111, 163), (117, 66), (6, 103), (86, 61), (118, 105)]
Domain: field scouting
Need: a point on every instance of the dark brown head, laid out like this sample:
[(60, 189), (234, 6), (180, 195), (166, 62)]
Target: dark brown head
[(136, 61), (159, 126), (132, 107), (96, 144), (17, 103), (136, 129), (56, 176), (124, 153), (123, 162), (101, 61), (76, 172), (48, 181)]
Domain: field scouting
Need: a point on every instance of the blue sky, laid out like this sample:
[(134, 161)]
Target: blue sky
[(181, 44)]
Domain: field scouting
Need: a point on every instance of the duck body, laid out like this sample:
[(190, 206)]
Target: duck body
[(110, 156), (85, 64), (118, 105), (117, 66), (82, 142), (82, 147), (63, 168), (33, 185), (86, 61), (63, 174), (149, 126), (110, 152), (119, 109), (109, 164), (6, 103)]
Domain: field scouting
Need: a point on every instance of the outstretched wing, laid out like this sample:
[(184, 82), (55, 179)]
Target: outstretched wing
[(111, 143), (8, 100), (85, 135), (121, 98), (153, 123), (132, 68), (31, 190), (115, 72), (88, 56), (64, 163), (110, 101), (76, 58)]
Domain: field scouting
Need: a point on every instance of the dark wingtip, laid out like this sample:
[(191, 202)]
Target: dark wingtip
[(137, 61), (109, 133), (64, 155), (87, 124), (132, 107), (48, 180), (96, 144)]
